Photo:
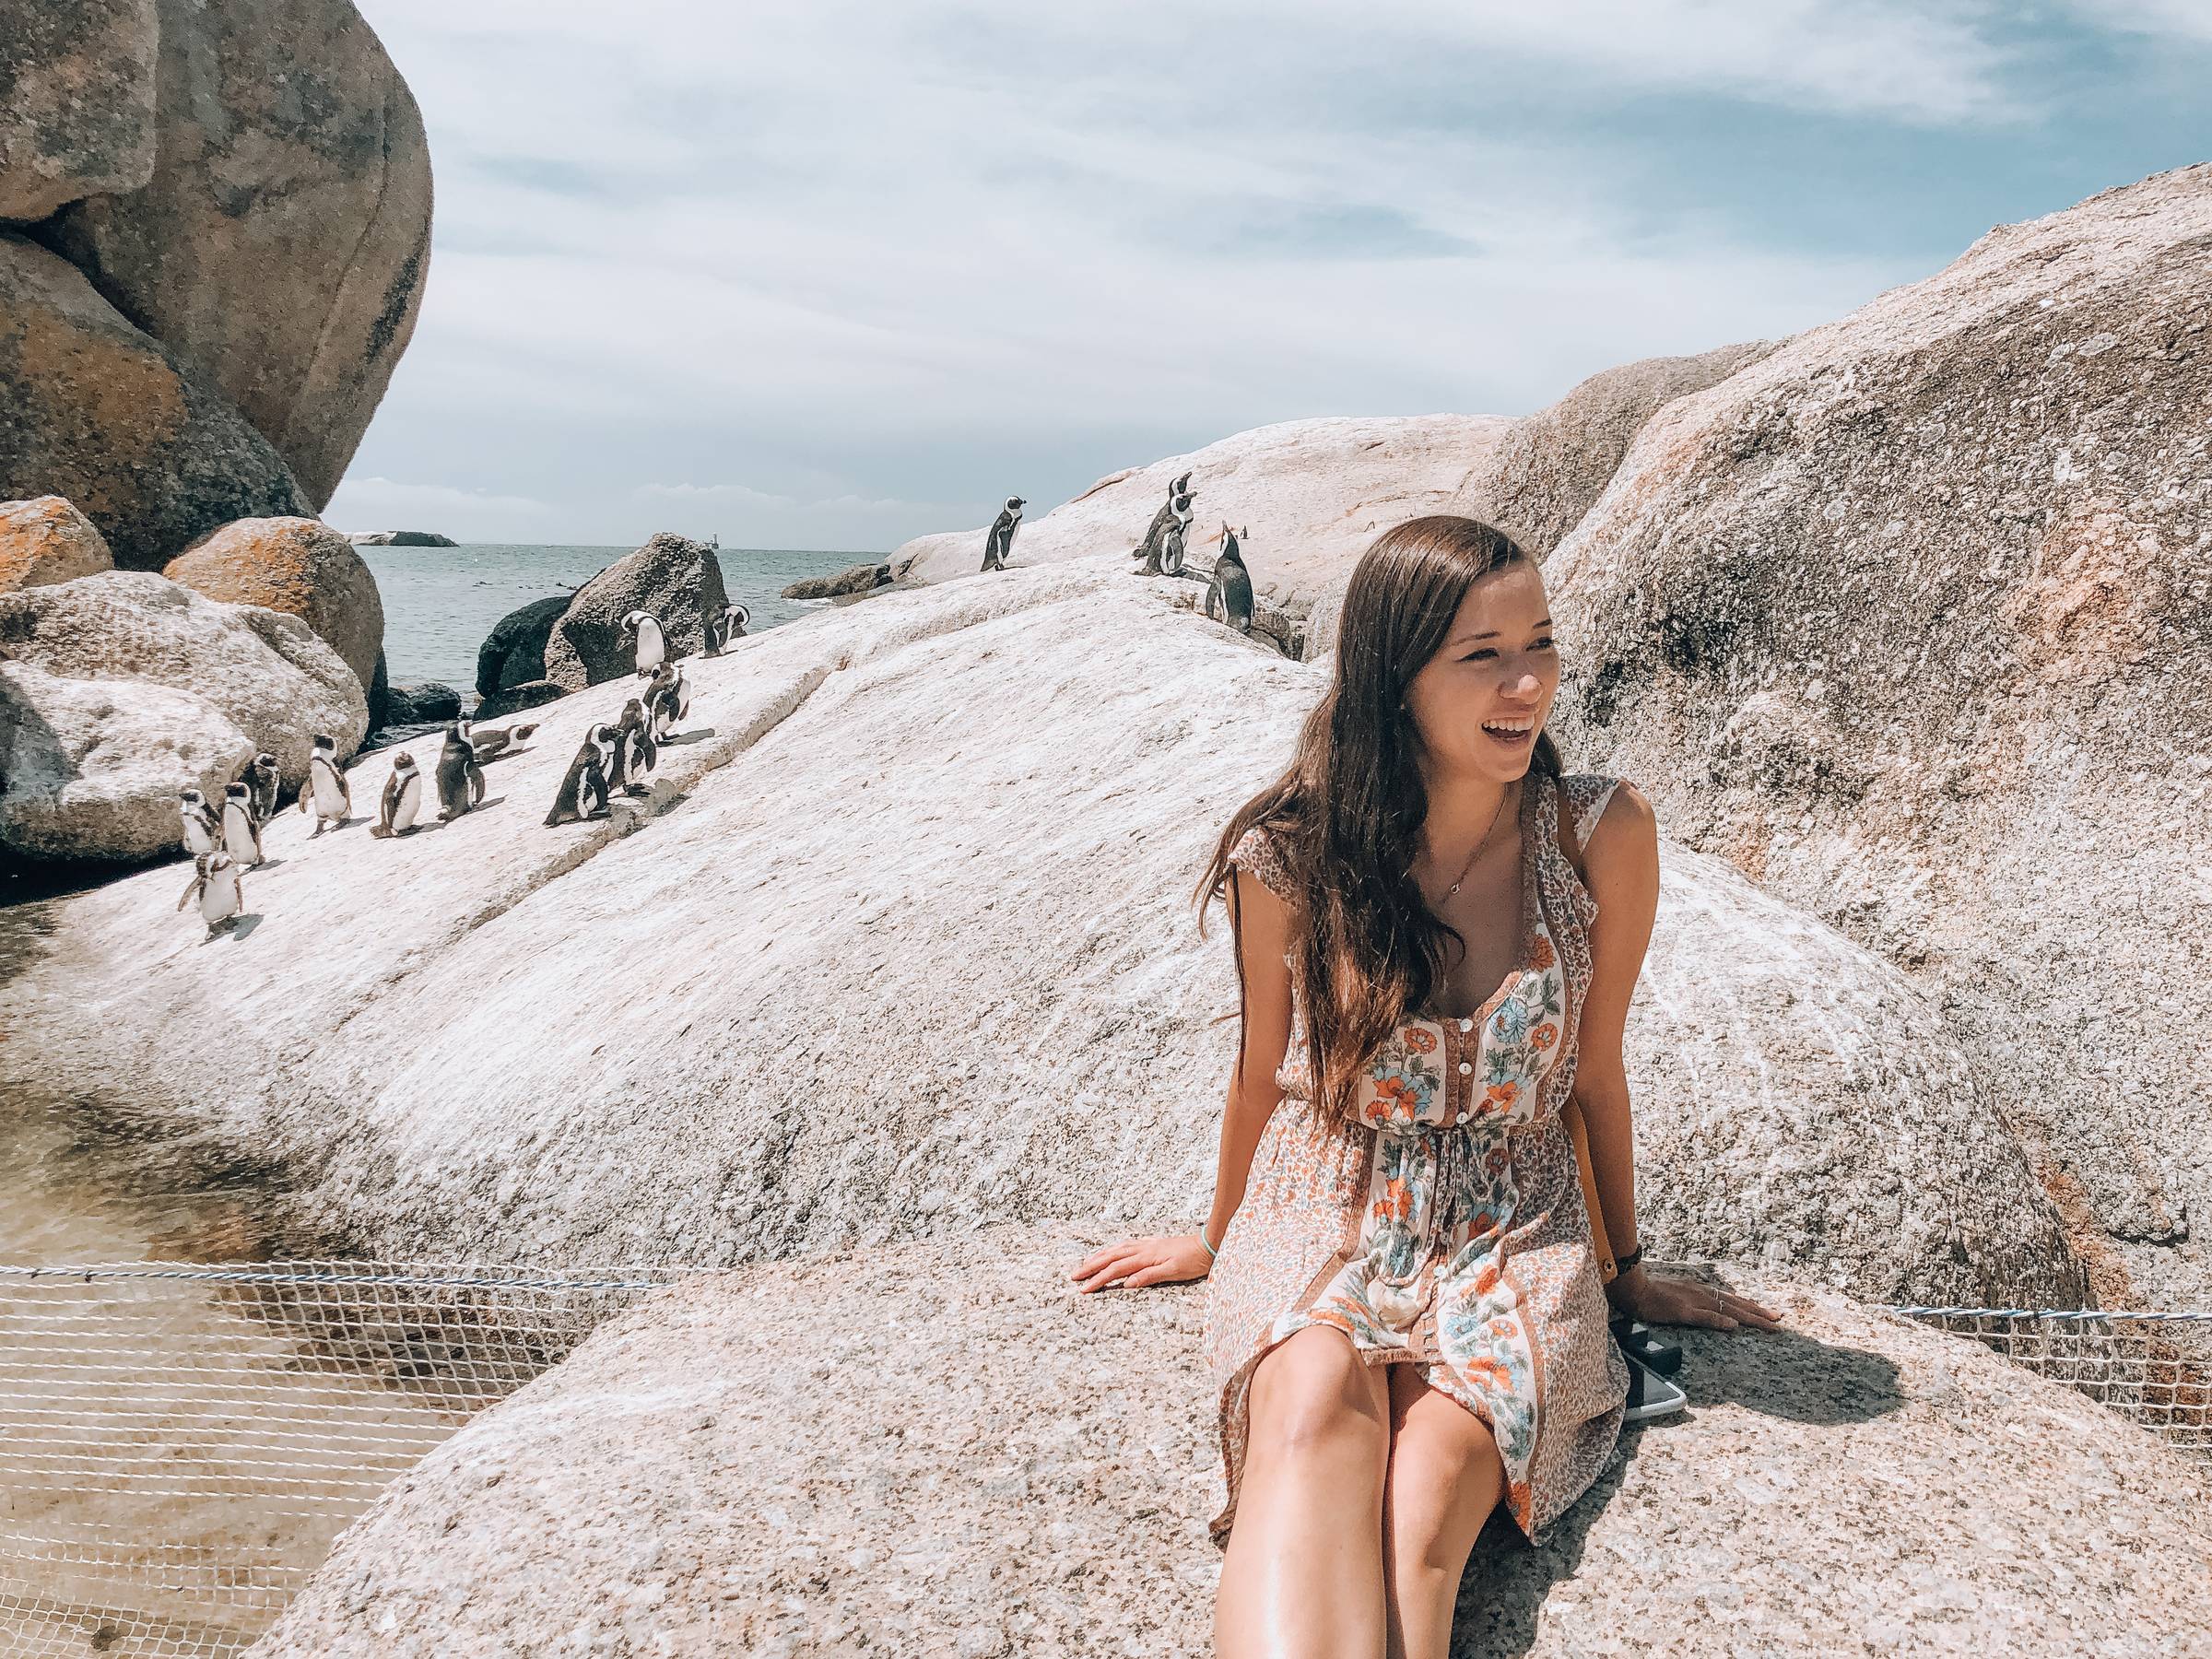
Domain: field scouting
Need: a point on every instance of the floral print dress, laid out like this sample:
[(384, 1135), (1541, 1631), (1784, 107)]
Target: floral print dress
[(1446, 1229)]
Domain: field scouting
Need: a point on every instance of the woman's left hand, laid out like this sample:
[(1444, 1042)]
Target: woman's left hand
[(1642, 1294)]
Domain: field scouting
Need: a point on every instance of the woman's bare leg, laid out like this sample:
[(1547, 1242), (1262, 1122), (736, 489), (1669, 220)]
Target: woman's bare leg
[(1303, 1572), (1444, 1479)]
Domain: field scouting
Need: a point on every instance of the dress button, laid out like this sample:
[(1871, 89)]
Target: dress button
[(1467, 1024), (1466, 1066)]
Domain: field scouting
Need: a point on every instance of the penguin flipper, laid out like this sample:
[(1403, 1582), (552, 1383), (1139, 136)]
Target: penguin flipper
[(475, 785), (191, 888)]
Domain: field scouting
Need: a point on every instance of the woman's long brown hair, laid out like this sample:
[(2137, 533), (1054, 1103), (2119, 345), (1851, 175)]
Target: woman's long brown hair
[(1346, 816)]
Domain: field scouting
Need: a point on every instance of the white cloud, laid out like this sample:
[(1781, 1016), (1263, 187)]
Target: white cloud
[(892, 253)]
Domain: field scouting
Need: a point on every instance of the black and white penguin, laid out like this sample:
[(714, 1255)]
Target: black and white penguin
[(724, 628), (242, 835), (460, 779), (1176, 511), (216, 884), (491, 742), (644, 628), (668, 700), (1228, 595), (998, 545), (326, 792), (584, 786), (402, 799), (202, 825), (1172, 542), (261, 782), (635, 752)]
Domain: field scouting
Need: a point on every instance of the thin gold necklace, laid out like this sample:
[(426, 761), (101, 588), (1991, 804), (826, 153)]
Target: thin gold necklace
[(1452, 890)]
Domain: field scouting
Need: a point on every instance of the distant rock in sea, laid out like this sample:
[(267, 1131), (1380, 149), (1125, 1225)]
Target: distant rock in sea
[(400, 538)]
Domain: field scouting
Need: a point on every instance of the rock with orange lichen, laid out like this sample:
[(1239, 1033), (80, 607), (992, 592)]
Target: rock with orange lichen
[(94, 409), (77, 102), (290, 168), (47, 540), (300, 566)]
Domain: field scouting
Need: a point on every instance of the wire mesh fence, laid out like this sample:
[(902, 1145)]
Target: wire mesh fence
[(2153, 1369), (180, 1443)]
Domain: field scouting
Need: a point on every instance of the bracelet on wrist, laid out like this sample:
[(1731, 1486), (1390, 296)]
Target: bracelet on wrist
[(1621, 1264), (1211, 1253)]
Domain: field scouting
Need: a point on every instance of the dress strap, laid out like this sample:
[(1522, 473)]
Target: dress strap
[(1586, 793)]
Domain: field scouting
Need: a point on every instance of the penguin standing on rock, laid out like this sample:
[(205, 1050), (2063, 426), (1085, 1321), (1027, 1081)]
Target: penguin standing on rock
[(460, 779), (402, 799), (583, 788), (261, 782), (998, 545), (242, 835), (327, 792), (202, 825), (668, 700), (644, 628), (1228, 595), (1174, 517), (723, 627), (216, 884), (635, 753)]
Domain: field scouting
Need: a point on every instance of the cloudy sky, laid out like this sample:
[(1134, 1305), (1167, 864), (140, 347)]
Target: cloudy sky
[(830, 275)]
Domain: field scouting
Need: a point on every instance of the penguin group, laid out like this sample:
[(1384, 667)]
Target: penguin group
[(224, 837)]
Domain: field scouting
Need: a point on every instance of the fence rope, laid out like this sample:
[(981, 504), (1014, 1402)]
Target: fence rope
[(182, 1441)]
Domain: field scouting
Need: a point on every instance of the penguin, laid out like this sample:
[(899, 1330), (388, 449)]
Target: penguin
[(659, 703), (492, 742), (202, 825), (646, 630), (327, 792), (583, 788), (635, 752), (724, 628), (242, 835), (1228, 595), (1175, 510), (402, 798), (261, 782), (460, 779), (217, 884), (998, 545)]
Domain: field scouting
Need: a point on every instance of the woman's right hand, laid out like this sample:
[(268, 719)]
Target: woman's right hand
[(1161, 1260)]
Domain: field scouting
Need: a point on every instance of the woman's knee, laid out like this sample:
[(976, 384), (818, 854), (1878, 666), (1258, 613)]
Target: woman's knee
[(1445, 1478), (1313, 1393)]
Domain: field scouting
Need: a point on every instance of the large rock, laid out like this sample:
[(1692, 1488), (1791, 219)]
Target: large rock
[(1312, 494), (421, 702), (292, 165), (118, 690), (969, 1458), (47, 541), (1911, 620), (77, 102), (94, 411), (300, 566), (908, 934), (677, 580), (513, 653)]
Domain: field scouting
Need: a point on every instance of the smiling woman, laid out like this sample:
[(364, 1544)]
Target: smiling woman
[(1406, 1317)]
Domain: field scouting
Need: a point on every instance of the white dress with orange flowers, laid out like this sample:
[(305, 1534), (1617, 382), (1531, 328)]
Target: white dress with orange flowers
[(1446, 1229)]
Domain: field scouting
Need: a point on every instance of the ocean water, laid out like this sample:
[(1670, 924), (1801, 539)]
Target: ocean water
[(440, 602)]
